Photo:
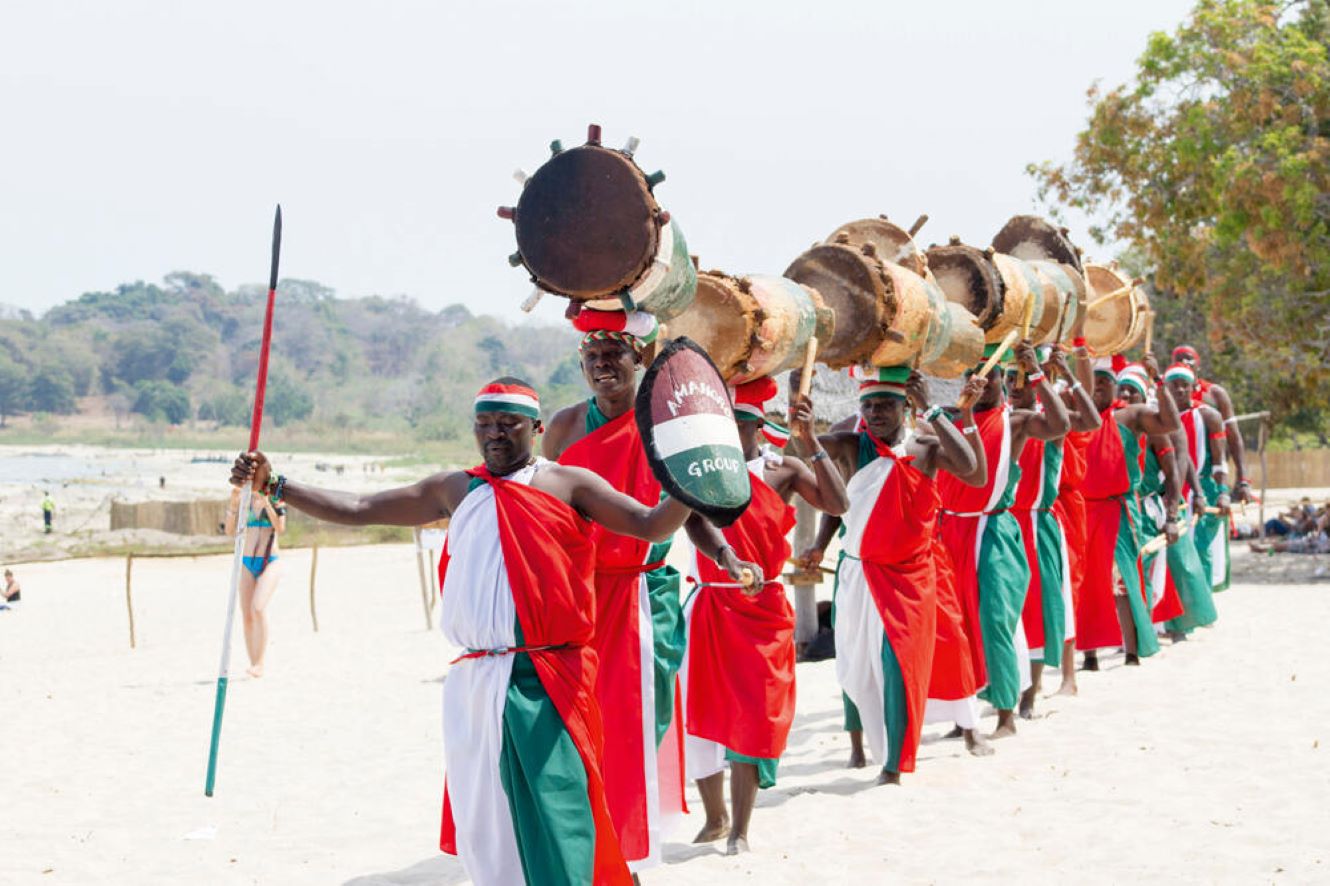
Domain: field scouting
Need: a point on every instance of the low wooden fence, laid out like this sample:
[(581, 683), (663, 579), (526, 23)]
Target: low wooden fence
[(1299, 469)]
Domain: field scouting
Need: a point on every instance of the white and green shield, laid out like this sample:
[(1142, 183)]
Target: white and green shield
[(687, 425)]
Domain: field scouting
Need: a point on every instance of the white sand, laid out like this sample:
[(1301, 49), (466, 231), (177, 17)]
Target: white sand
[(1208, 763)]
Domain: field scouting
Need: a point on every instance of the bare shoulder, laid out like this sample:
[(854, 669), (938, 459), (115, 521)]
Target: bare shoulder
[(1218, 397), (565, 428)]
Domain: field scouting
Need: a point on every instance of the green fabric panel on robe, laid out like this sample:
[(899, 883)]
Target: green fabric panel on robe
[(895, 714), (546, 784), (1048, 535), (1049, 546), (1004, 577), (668, 632), (1208, 527), (1127, 553), (1193, 588), (766, 767)]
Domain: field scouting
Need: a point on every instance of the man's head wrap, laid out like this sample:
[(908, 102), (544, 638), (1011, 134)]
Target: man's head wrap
[(881, 381), (1109, 366), (1182, 371), (1185, 352), (750, 398), (509, 394), (636, 329), (1134, 375)]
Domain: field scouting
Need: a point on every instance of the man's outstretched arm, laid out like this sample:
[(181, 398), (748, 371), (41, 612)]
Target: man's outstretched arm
[(413, 505)]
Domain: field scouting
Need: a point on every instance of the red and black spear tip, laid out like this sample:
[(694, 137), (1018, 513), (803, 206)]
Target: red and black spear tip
[(276, 247)]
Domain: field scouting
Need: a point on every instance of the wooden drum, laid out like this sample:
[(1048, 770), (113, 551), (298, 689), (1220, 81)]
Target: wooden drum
[(753, 326), (968, 278), (589, 228), (957, 343), (1115, 317)]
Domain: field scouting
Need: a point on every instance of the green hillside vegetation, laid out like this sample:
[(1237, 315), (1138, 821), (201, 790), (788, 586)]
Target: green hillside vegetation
[(176, 362)]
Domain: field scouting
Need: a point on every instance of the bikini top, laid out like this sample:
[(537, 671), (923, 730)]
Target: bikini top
[(262, 521)]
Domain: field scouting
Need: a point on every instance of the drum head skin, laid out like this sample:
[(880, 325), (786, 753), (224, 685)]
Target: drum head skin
[(687, 425), (970, 279), (1031, 238), (587, 224)]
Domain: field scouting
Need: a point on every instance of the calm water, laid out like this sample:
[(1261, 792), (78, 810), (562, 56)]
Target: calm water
[(36, 468)]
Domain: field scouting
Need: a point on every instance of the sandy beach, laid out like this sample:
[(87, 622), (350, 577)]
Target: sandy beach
[(1206, 764)]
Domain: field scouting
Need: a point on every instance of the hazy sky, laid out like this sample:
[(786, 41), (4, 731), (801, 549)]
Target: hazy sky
[(145, 137)]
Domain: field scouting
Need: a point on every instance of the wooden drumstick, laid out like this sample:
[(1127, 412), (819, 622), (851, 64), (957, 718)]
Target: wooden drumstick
[(1025, 333), (806, 373), (993, 360), (1149, 331), (746, 577), (1105, 299), (820, 568)]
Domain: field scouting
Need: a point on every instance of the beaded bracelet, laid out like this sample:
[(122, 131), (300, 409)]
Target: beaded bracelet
[(275, 489), (933, 412)]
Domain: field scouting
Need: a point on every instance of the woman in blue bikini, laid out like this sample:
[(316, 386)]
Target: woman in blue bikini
[(258, 578)]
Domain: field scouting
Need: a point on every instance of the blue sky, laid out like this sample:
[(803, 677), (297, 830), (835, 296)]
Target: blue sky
[(146, 137)]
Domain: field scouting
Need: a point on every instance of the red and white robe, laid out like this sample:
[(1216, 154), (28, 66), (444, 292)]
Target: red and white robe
[(519, 560), (886, 619), (738, 672), (644, 783)]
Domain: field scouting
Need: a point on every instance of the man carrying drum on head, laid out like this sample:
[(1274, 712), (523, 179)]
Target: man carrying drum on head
[(1048, 616), (1160, 495), (886, 619), (1216, 395), (984, 538), (738, 673), (525, 796), (1113, 610), (1207, 486), (639, 624)]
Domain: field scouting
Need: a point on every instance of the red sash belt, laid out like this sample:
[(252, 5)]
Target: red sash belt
[(509, 650), (632, 569), (947, 513)]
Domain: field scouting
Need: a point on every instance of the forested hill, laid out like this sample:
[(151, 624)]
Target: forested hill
[(185, 351)]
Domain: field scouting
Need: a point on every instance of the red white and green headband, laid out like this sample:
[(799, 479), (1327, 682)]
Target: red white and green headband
[(501, 397), (1134, 375), (881, 381), (637, 329), (1180, 371)]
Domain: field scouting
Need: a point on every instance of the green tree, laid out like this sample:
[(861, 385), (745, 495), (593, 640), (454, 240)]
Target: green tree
[(51, 390), (13, 387), (1214, 165), (162, 401), (287, 400)]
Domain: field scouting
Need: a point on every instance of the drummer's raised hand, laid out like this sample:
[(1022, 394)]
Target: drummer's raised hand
[(971, 391), (1151, 366), (801, 420), (916, 391), (1026, 356), (252, 468), (1058, 360)]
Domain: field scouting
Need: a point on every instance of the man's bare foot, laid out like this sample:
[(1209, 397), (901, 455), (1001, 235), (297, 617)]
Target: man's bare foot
[(1132, 659), (1091, 662), (1006, 726), (1068, 687), (1177, 636), (888, 777), (254, 670), (857, 758), (975, 743), (956, 732), (711, 832), (736, 845), (1027, 704)]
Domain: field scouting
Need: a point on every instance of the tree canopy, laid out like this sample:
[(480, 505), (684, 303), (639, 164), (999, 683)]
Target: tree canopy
[(1213, 167)]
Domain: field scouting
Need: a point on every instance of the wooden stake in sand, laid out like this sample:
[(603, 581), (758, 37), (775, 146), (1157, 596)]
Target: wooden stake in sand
[(424, 583), (129, 596), (313, 570), (255, 425)]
